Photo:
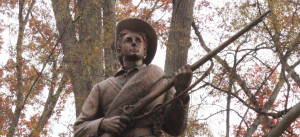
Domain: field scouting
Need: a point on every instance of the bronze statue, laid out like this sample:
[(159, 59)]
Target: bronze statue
[(136, 43)]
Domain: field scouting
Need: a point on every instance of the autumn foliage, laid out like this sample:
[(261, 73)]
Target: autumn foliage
[(54, 51)]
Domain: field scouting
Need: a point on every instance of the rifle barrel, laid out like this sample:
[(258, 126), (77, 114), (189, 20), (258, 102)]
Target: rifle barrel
[(153, 95), (211, 54)]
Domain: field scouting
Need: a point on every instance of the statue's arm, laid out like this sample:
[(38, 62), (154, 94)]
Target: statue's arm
[(175, 115), (90, 118)]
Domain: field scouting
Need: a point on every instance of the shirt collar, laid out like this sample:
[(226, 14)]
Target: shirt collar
[(122, 70)]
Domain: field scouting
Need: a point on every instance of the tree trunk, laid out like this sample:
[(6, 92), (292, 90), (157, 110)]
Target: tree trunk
[(50, 104), (19, 66), (90, 49), (88, 70), (228, 105), (179, 35), (109, 26), (85, 56), (66, 29)]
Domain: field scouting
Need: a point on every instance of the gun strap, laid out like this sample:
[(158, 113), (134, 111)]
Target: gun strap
[(137, 87), (117, 85)]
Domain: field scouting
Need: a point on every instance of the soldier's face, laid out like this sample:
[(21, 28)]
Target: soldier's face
[(133, 47)]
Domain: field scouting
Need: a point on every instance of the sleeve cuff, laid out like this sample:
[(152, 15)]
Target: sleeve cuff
[(95, 126)]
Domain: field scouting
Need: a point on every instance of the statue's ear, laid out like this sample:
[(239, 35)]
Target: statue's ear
[(118, 51)]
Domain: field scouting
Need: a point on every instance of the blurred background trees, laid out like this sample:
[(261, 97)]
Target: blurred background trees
[(55, 51)]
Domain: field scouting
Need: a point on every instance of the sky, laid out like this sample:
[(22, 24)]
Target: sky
[(68, 115)]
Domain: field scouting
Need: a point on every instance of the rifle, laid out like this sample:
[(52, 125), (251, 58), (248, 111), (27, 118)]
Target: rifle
[(131, 110)]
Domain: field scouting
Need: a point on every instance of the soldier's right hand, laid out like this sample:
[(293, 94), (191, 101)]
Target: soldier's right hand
[(114, 125)]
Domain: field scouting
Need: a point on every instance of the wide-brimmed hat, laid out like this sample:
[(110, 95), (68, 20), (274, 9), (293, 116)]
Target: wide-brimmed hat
[(138, 25)]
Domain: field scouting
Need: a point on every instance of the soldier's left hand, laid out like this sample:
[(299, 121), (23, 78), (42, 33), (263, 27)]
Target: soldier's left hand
[(183, 78)]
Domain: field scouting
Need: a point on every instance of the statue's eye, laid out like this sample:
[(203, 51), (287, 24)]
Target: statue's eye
[(129, 39), (138, 40)]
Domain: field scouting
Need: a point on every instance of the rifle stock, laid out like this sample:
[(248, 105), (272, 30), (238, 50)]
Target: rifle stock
[(133, 109)]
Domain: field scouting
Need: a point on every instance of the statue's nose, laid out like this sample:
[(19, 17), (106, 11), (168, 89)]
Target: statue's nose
[(133, 44)]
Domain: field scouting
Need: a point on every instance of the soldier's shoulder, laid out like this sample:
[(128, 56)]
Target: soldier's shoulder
[(104, 82), (155, 68)]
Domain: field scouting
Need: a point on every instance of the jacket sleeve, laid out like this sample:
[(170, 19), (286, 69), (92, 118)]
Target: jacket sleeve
[(90, 118), (175, 115)]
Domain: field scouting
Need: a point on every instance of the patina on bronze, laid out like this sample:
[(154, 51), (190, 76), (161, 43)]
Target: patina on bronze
[(104, 111), (151, 96)]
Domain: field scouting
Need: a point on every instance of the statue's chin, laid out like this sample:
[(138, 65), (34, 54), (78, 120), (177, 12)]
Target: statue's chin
[(133, 57)]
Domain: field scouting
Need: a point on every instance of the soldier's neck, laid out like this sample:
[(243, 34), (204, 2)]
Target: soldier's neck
[(132, 64)]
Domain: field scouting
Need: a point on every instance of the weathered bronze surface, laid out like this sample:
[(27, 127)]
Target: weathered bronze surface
[(104, 113)]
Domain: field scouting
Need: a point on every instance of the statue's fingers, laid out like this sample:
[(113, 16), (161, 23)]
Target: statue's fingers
[(119, 128), (188, 67), (184, 70), (180, 71), (188, 70), (122, 127), (125, 119), (176, 73), (115, 129)]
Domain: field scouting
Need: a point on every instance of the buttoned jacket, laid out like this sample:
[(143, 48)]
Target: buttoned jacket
[(172, 118)]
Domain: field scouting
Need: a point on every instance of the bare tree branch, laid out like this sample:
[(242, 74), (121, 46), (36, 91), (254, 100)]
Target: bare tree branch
[(286, 121)]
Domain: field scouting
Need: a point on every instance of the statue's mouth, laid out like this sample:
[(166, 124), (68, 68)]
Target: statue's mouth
[(134, 50)]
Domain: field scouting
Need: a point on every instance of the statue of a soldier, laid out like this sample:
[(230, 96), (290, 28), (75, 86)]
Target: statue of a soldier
[(136, 43)]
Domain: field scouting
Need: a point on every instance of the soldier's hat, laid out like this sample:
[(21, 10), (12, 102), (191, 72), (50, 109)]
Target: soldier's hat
[(138, 25)]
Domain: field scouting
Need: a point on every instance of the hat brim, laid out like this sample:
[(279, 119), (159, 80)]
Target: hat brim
[(138, 25)]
